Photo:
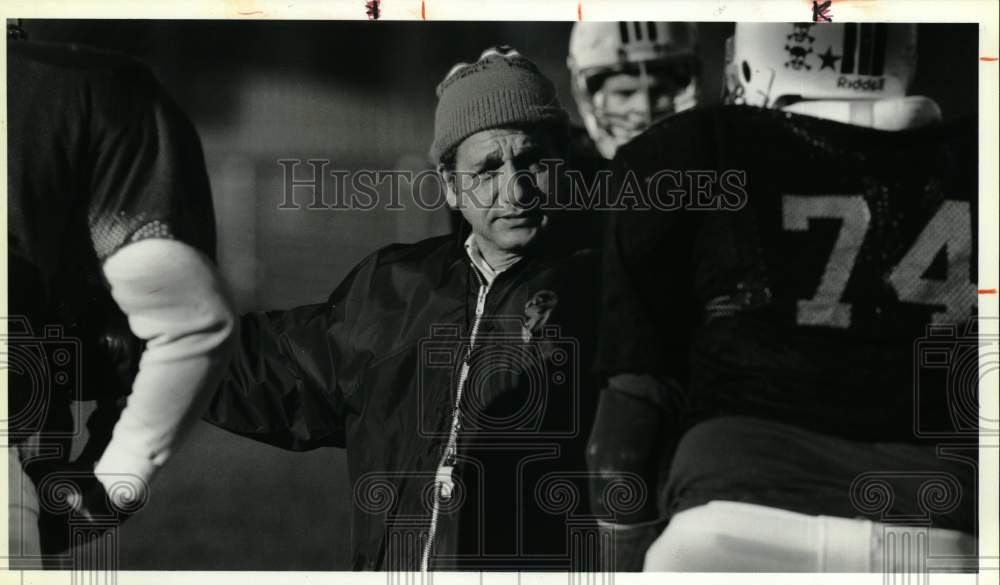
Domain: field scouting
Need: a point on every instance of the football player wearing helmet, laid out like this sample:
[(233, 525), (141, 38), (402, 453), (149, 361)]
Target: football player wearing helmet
[(627, 75), (769, 351)]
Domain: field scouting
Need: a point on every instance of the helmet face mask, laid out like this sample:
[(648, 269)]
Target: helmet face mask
[(771, 65), (626, 103), (628, 75)]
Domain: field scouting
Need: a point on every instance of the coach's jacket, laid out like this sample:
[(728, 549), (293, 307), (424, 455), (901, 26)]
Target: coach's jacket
[(376, 369)]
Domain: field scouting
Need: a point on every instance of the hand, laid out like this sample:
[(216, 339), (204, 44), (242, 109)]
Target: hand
[(90, 502), (76, 507)]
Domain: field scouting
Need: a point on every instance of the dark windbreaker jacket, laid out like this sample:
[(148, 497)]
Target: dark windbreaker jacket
[(377, 369)]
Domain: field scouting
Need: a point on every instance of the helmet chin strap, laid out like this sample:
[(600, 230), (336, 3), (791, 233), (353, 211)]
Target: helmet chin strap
[(644, 84)]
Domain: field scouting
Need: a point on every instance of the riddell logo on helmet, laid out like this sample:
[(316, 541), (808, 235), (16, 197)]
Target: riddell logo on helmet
[(861, 84)]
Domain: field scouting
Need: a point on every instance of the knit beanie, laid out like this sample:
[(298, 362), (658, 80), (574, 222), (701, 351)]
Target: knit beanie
[(501, 89)]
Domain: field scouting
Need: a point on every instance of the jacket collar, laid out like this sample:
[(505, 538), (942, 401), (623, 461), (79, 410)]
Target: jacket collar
[(487, 271), (550, 246)]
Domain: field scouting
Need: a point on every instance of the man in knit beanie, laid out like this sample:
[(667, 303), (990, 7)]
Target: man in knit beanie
[(451, 369), (501, 89), (497, 120)]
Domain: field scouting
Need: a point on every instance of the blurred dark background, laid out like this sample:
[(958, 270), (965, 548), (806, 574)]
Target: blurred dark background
[(360, 94)]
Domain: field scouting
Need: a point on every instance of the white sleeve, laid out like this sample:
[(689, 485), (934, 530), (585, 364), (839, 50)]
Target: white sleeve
[(176, 301)]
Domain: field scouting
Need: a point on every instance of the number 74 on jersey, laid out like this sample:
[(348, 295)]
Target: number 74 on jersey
[(950, 229)]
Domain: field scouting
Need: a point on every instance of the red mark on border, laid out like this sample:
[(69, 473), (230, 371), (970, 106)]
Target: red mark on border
[(579, 11), (987, 291), (821, 11), (988, 59), (423, 10)]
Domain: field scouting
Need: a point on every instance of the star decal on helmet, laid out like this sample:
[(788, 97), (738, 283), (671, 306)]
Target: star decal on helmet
[(829, 59)]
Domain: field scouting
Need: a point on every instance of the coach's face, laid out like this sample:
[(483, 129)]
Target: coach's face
[(499, 184)]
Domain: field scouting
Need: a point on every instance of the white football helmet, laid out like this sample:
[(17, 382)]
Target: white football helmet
[(651, 69), (771, 65)]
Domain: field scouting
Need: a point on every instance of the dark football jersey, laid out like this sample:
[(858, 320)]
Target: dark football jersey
[(798, 271), (792, 265), (98, 156)]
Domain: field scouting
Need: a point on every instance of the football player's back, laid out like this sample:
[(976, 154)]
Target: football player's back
[(814, 256), (770, 304)]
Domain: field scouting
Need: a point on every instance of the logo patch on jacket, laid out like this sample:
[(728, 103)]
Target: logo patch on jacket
[(537, 311)]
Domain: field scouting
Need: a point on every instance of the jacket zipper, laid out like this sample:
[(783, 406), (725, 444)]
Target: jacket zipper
[(445, 467)]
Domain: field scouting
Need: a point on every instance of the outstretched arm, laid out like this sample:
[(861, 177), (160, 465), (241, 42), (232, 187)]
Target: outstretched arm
[(288, 382), (282, 387)]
